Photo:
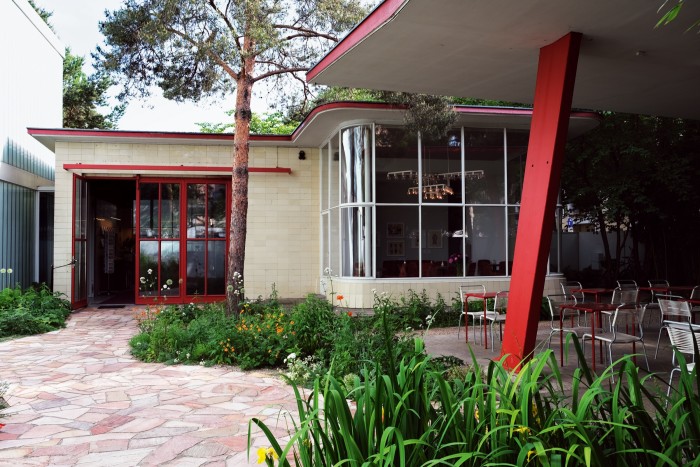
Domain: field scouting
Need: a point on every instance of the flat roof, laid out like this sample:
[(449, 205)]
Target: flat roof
[(489, 49), (316, 127)]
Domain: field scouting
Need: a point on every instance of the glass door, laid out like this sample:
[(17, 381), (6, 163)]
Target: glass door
[(80, 216), (182, 240)]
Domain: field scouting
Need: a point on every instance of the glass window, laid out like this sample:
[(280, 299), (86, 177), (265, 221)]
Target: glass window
[(196, 206), (195, 268), (216, 210), (148, 210), (483, 154), (517, 153), (356, 168), (334, 171), (442, 250), (216, 267), (325, 164), (441, 162), (170, 205), (398, 241), (485, 241), (170, 268), (357, 242), (396, 163)]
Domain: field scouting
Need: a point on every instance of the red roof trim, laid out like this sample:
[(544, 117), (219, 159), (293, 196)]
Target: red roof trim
[(382, 14), (172, 168)]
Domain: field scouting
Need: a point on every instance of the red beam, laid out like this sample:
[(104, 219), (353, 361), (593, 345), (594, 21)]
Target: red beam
[(556, 74), (172, 168)]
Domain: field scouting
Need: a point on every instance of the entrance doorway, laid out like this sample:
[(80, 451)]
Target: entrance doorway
[(111, 249)]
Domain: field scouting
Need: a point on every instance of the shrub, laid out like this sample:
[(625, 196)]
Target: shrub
[(31, 311), (412, 416)]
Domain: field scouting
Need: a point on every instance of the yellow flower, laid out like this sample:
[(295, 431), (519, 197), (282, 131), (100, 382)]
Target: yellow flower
[(476, 414), (531, 453), (522, 430), (266, 453)]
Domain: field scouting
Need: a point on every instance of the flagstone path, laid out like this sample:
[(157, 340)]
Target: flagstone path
[(77, 397)]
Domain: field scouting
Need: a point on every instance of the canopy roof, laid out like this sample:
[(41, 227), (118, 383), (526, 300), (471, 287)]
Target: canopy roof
[(489, 49)]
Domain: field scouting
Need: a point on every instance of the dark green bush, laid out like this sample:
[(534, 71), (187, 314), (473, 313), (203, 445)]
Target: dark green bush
[(31, 311)]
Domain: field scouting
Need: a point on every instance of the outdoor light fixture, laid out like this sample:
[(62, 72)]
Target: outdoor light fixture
[(302, 155)]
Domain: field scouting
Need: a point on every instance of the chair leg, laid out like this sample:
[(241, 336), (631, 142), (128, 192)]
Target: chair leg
[(658, 341), (459, 324), (612, 371), (644, 349), (670, 380)]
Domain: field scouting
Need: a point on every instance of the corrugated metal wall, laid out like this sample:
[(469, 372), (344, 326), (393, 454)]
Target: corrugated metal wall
[(17, 211)]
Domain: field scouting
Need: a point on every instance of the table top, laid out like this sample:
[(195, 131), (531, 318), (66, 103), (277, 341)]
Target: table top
[(480, 294), (594, 290)]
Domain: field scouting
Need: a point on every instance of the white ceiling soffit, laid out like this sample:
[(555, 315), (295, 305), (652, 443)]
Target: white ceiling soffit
[(489, 49)]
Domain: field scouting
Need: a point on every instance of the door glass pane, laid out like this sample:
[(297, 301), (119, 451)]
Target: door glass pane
[(170, 268), (148, 268), (79, 272), (170, 205), (148, 210), (196, 204), (216, 263), (216, 204), (195, 268)]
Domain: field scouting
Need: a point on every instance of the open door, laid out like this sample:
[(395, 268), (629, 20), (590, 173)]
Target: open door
[(80, 217)]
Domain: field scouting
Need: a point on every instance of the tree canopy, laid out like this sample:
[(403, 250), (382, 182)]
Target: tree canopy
[(191, 49), (635, 175)]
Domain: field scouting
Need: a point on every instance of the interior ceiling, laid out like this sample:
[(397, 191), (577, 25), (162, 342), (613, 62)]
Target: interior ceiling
[(489, 49)]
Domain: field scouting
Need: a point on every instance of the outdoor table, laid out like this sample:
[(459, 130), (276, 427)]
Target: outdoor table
[(483, 296), (595, 308), (597, 291)]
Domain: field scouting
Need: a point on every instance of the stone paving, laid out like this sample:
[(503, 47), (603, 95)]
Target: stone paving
[(77, 397)]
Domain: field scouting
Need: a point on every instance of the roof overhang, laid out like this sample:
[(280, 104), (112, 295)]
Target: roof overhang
[(318, 126), (489, 49)]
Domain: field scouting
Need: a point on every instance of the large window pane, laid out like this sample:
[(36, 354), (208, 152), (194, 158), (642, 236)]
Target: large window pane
[(195, 267), (334, 171), (396, 163), (216, 266), (357, 242), (442, 252), (398, 241), (442, 169), (517, 153), (148, 210), (148, 268), (484, 155), (170, 207), (170, 268), (335, 241), (485, 230), (196, 206), (216, 202), (356, 168), (325, 164)]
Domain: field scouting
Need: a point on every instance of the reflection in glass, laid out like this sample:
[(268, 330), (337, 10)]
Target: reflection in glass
[(216, 203), (325, 163), (79, 272), (356, 155), (517, 154), (396, 151), (170, 205), (357, 242), (195, 267), (486, 228), (442, 169), (484, 150), (148, 210), (398, 241), (148, 268), (216, 267), (170, 268), (196, 204)]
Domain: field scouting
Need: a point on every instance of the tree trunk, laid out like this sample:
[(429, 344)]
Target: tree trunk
[(239, 190)]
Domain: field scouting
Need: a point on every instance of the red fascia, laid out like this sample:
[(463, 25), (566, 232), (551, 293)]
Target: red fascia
[(171, 168)]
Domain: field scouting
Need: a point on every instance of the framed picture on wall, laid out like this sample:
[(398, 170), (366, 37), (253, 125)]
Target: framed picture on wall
[(414, 238), (434, 238), (394, 230), (395, 248)]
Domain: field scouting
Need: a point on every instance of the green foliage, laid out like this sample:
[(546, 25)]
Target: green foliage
[(315, 325), (83, 95), (672, 13), (31, 311), (266, 124), (413, 416)]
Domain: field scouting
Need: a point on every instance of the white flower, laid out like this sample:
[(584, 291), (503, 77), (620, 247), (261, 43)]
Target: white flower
[(201, 363), (3, 271), (169, 282), (187, 355), (143, 280), (291, 356), (9, 270), (229, 288), (165, 286), (327, 271), (429, 317), (150, 271), (236, 292)]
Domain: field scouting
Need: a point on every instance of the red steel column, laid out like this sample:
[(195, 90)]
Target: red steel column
[(554, 90)]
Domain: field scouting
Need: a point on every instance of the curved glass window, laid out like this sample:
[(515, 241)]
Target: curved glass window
[(398, 206)]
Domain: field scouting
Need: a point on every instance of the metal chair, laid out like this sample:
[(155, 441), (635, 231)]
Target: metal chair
[(672, 306), (466, 314), (573, 288), (497, 314), (685, 339), (652, 304), (626, 283), (627, 316), (558, 313), (695, 295), (621, 296)]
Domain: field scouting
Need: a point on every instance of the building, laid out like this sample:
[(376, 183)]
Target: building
[(30, 95), (350, 192)]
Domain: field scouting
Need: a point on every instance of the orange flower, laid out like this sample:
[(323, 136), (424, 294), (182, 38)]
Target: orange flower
[(339, 297), (350, 313)]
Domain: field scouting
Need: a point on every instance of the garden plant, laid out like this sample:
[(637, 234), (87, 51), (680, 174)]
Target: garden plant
[(30, 311)]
